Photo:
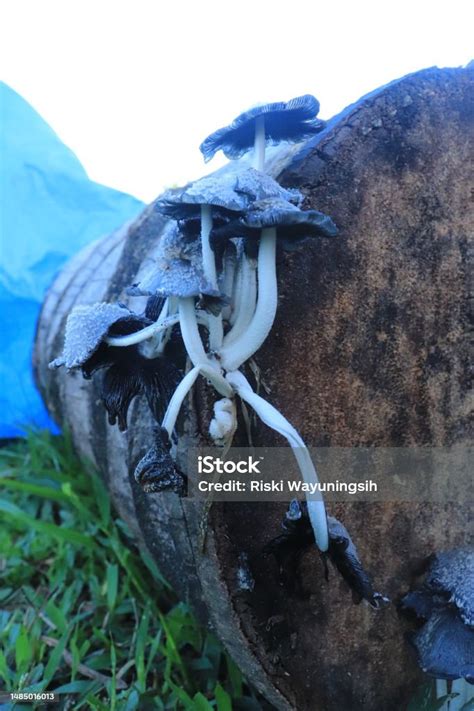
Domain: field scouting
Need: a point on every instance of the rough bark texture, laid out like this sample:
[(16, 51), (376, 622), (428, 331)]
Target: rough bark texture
[(370, 348)]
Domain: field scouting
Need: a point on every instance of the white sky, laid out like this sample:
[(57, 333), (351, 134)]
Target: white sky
[(133, 86)]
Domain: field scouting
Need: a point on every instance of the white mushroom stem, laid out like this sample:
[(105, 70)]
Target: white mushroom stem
[(236, 295), (246, 300), (216, 331), (228, 280), (237, 352), (154, 329), (144, 334), (190, 332), (175, 404), (240, 347), (158, 343), (208, 259), (274, 419)]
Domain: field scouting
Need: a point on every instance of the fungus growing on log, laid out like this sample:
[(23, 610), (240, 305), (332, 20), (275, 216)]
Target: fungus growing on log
[(445, 603), (91, 332), (298, 536), (291, 121), (157, 471)]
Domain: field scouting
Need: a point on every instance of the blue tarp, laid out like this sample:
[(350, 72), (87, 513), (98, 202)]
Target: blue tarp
[(49, 211)]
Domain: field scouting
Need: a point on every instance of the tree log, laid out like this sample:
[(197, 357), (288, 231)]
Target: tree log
[(370, 348)]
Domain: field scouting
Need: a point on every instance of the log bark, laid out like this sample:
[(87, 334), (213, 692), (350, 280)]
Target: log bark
[(371, 347)]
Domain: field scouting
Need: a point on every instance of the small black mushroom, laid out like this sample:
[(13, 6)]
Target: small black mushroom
[(343, 555), (298, 537), (156, 471), (289, 548), (292, 121), (445, 603)]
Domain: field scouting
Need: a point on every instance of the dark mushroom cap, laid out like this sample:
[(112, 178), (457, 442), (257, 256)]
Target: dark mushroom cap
[(445, 646), (226, 192), (292, 121), (291, 222), (156, 471), (178, 269), (86, 328), (452, 572), (445, 643)]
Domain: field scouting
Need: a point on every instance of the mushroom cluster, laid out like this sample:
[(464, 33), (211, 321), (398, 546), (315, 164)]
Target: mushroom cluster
[(215, 276)]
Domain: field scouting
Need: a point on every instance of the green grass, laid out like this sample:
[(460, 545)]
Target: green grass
[(82, 612)]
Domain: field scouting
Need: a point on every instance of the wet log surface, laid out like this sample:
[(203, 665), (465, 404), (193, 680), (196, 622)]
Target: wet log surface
[(371, 347)]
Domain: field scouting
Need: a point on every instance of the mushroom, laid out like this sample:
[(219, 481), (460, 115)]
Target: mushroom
[(178, 273), (291, 121), (88, 345), (156, 471), (219, 196), (268, 123), (298, 536), (445, 604)]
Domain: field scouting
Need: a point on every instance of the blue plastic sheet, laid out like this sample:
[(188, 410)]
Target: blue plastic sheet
[(49, 211)]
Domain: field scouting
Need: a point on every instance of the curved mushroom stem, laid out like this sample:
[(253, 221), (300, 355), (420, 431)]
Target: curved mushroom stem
[(274, 419), (216, 331), (235, 353), (158, 343), (144, 334), (245, 301), (228, 281), (190, 332), (172, 411), (236, 296), (208, 259)]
